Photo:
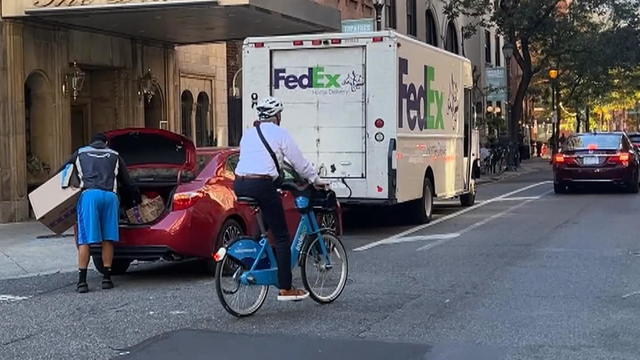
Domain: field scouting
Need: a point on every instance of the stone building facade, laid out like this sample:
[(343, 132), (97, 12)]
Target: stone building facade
[(70, 69)]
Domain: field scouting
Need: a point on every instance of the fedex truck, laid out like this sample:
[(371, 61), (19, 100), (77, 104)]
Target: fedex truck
[(385, 118)]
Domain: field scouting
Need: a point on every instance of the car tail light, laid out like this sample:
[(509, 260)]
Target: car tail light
[(620, 158), (592, 147), (186, 200), (298, 43), (558, 159), (379, 123)]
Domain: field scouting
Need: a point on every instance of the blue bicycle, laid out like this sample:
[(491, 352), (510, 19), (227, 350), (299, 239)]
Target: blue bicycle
[(246, 268)]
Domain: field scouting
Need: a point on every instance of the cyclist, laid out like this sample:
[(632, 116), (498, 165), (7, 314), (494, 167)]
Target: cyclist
[(262, 150)]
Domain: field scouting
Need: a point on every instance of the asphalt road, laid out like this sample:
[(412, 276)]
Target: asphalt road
[(524, 274)]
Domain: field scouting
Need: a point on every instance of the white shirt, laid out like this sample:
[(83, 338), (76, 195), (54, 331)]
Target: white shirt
[(255, 159)]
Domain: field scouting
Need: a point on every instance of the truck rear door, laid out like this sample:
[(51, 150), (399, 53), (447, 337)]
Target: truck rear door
[(323, 91)]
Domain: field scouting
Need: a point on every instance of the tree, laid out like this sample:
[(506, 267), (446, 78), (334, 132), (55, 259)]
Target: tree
[(543, 32)]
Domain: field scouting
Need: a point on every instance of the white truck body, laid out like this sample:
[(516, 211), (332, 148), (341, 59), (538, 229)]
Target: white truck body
[(337, 87)]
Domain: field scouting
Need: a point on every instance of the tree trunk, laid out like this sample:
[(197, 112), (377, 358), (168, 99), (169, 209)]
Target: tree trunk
[(577, 123), (586, 120), (516, 107)]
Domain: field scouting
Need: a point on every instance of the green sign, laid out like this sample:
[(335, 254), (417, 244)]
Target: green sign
[(358, 25)]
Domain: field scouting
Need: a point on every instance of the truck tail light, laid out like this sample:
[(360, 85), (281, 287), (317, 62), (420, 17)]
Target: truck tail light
[(336, 41), (186, 200), (379, 123), (258, 45), (377, 39), (316, 42), (298, 43)]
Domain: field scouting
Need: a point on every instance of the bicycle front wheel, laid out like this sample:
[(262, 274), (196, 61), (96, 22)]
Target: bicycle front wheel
[(237, 299), (324, 280)]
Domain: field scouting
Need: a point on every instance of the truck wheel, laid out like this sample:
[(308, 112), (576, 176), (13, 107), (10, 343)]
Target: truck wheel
[(118, 266), (423, 207), (468, 199)]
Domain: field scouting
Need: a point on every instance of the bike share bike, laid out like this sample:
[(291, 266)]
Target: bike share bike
[(247, 267)]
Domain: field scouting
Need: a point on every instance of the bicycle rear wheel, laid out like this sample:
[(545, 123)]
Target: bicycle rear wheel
[(237, 299), (325, 283)]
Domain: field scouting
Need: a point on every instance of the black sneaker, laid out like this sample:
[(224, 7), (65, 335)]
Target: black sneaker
[(107, 284), (82, 288)]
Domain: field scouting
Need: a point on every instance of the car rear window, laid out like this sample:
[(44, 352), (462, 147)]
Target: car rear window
[(592, 142)]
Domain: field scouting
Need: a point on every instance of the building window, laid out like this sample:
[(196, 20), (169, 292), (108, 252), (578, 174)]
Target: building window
[(390, 15), (412, 27), (498, 47), (204, 135), (451, 40), (186, 111), (487, 47), (432, 29)]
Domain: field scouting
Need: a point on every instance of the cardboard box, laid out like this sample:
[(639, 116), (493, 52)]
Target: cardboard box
[(149, 210), (54, 202)]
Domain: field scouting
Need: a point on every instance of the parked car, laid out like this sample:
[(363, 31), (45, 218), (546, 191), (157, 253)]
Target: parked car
[(596, 158), (201, 212), (635, 139)]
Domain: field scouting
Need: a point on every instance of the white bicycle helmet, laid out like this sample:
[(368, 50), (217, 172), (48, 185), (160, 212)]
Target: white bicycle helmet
[(269, 107)]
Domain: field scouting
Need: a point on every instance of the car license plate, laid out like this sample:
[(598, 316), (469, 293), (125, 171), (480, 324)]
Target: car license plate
[(590, 160)]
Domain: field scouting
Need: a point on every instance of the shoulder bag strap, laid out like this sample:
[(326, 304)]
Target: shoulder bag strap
[(266, 145)]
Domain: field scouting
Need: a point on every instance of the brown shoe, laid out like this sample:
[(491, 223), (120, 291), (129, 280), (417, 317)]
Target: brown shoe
[(292, 294)]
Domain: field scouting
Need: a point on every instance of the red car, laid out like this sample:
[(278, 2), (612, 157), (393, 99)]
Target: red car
[(596, 158), (201, 212)]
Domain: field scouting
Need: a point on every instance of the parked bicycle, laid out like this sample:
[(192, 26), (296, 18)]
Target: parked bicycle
[(247, 268)]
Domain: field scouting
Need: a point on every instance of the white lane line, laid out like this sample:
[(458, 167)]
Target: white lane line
[(447, 217), (438, 237), (12, 298), (482, 222), (520, 198), (631, 294)]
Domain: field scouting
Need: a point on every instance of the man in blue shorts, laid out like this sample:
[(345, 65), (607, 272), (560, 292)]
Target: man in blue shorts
[(100, 170)]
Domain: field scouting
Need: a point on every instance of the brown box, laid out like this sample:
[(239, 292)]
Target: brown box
[(149, 210), (55, 206)]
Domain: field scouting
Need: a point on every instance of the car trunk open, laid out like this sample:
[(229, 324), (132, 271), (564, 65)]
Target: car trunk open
[(158, 161)]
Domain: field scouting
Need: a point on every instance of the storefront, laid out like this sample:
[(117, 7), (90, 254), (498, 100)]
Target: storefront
[(71, 68)]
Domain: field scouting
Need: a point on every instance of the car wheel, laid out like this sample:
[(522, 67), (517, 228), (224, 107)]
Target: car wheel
[(423, 207), (118, 266), (229, 232), (469, 198), (560, 188)]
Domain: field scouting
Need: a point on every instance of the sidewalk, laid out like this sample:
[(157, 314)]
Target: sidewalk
[(533, 165), (28, 249)]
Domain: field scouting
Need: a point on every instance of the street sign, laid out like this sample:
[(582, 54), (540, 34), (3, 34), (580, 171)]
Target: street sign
[(358, 25), (496, 82)]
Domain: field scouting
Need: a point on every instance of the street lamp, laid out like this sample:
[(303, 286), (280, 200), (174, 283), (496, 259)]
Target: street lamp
[(378, 5), (507, 50), (553, 76)]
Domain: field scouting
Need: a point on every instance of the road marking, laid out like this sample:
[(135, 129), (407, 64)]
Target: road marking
[(520, 198), (631, 294), (483, 222), (447, 217), (424, 238), (12, 298)]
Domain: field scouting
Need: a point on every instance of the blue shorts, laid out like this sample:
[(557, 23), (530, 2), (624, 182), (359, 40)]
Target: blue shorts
[(97, 217)]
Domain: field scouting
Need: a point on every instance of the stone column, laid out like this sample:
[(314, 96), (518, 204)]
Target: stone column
[(13, 169)]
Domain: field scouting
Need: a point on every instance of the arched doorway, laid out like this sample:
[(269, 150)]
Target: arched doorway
[(204, 135), (451, 41), (186, 106), (432, 29), (153, 110), (40, 142)]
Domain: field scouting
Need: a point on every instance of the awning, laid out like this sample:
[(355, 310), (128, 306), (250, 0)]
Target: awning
[(189, 22)]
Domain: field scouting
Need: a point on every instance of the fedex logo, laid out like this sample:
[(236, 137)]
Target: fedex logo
[(314, 78), (413, 100)]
